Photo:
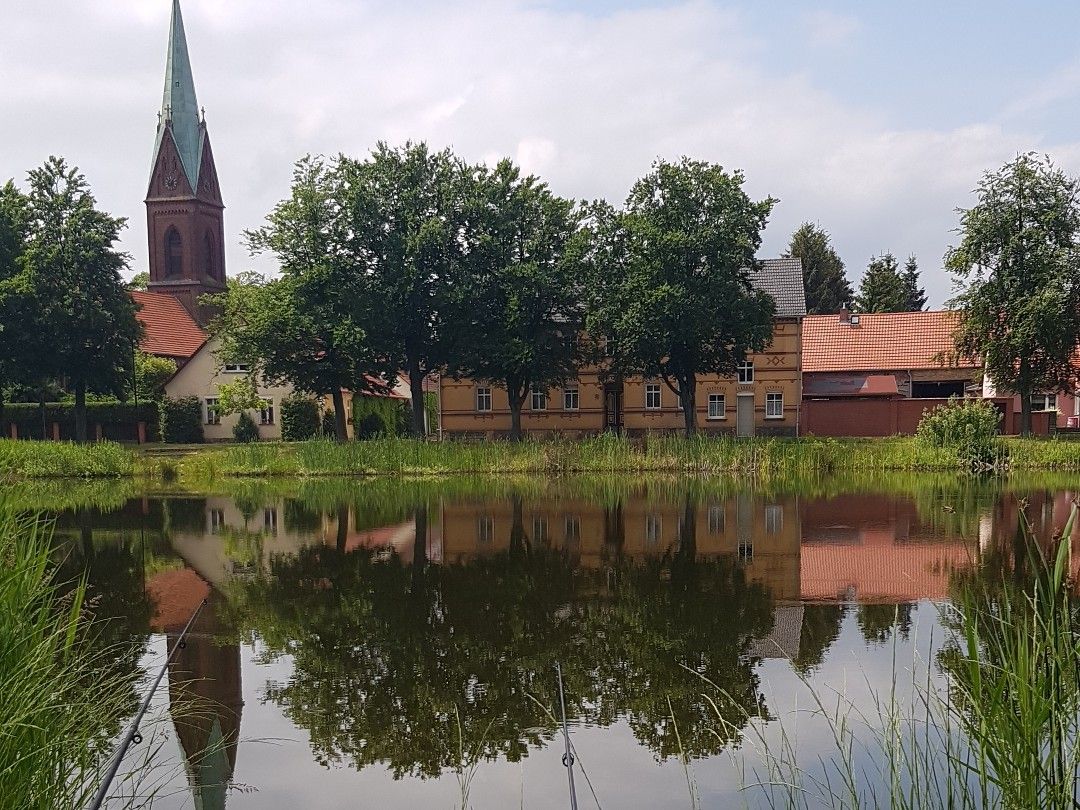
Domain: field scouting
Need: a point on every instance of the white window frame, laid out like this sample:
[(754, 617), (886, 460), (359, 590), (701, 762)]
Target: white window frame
[(571, 399), (266, 412), (538, 400), (746, 552), (717, 519), (744, 372), (774, 518), (1045, 402), (539, 529), (483, 395), (270, 523), (654, 530), (650, 390), (211, 414), (236, 368), (485, 530), (216, 519), (572, 530), (771, 400), (717, 413)]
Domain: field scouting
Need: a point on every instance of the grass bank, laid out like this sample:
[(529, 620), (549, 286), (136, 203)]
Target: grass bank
[(605, 455), (59, 704)]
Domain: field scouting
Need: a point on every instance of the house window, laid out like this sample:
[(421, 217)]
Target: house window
[(485, 530), (654, 530), (539, 400), (212, 416), (216, 519), (540, 530), (746, 552), (174, 253), (745, 372), (572, 531), (1044, 402), (270, 520), (266, 413), (237, 368), (483, 399), (652, 397), (774, 518), (774, 406), (716, 519), (570, 399), (717, 406)]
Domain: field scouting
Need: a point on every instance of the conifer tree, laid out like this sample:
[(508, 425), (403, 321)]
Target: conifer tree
[(882, 287), (827, 288)]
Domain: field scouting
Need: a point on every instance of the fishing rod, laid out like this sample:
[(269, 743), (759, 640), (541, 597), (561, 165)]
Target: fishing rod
[(132, 734), (568, 757)]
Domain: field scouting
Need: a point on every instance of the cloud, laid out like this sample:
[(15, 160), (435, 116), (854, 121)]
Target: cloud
[(589, 100), (825, 28)]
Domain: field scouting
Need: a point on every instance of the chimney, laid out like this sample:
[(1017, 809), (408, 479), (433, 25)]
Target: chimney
[(845, 314)]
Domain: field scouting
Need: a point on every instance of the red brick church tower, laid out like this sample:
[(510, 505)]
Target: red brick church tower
[(184, 211)]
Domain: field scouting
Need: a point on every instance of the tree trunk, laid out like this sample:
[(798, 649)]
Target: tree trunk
[(342, 528), (416, 396), (1025, 414), (41, 410), (419, 561), (341, 424), (516, 394), (688, 395), (80, 410), (517, 528)]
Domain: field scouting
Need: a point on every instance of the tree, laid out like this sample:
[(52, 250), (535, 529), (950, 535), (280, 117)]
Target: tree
[(914, 295), (13, 303), (84, 317), (518, 306), (827, 288), (405, 219), (1020, 309), (140, 281), (670, 277), (882, 287), (151, 374), (308, 328)]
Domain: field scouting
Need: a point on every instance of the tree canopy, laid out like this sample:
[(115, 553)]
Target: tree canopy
[(1017, 263), (827, 288), (669, 277), (887, 288)]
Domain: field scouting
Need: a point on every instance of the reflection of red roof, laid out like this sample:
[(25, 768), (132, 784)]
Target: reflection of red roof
[(896, 341), (850, 385), (175, 595), (170, 331)]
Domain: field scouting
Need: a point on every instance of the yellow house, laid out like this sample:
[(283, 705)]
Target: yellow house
[(762, 399)]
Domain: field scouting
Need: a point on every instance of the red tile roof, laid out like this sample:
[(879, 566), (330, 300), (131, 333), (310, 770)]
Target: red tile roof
[(886, 341), (850, 385), (170, 330)]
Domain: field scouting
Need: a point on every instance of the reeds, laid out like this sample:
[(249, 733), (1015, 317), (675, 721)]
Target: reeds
[(37, 459)]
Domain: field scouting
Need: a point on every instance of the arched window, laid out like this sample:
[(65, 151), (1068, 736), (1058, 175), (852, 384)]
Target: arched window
[(174, 253), (211, 259)]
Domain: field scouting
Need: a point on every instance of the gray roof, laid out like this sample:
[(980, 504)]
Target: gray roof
[(783, 280), (179, 107)]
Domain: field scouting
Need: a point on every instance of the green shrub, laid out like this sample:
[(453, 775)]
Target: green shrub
[(969, 427), (299, 419), (329, 431), (371, 426), (181, 420), (245, 430), (394, 415)]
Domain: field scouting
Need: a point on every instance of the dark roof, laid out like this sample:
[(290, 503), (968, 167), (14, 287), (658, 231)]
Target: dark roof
[(849, 385), (169, 329), (783, 280)]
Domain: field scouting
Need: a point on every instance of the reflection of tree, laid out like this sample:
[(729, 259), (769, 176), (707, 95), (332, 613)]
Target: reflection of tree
[(877, 621), (386, 659), (820, 628)]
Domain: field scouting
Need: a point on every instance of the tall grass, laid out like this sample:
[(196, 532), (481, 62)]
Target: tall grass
[(29, 459), (59, 704)]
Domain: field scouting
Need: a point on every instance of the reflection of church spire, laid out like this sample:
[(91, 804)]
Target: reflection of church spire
[(205, 701)]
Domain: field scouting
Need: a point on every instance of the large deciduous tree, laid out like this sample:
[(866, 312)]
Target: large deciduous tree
[(14, 326), (84, 318), (308, 328), (671, 277), (404, 208), (518, 305), (1019, 259), (827, 288)]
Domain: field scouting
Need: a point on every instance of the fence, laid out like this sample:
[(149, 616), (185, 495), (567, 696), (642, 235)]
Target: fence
[(893, 417)]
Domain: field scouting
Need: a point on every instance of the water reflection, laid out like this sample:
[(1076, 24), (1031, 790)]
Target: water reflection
[(419, 626)]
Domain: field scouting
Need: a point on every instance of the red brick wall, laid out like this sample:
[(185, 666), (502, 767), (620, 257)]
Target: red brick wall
[(890, 417)]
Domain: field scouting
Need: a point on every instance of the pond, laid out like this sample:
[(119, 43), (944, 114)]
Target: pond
[(393, 645)]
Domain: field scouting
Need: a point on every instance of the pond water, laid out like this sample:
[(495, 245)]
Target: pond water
[(372, 644)]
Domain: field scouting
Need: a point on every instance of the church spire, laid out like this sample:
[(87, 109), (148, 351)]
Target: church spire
[(179, 108)]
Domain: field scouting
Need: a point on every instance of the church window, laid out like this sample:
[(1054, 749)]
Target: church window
[(174, 253), (211, 265)]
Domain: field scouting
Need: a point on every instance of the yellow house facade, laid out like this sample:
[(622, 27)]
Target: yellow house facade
[(763, 398)]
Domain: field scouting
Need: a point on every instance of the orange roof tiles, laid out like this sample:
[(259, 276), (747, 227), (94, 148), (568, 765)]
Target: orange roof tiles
[(886, 341), (170, 330)]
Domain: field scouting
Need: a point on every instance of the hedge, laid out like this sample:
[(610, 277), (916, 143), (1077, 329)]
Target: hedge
[(181, 421), (118, 420), (373, 416), (299, 419)]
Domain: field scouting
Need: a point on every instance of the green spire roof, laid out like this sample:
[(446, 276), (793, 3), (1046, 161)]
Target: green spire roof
[(179, 105)]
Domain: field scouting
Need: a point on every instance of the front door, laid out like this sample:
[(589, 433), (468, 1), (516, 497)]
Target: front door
[(613, 408), (744, 415)]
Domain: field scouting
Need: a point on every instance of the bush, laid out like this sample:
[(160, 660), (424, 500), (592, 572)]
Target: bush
[(245, 431), (118, 420), (329, 431), (181, 420), (969, 426), (371, 426), (394, 415), (299, 419)]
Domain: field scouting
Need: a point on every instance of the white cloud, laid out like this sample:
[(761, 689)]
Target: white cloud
[(588, 100), (828, 28)]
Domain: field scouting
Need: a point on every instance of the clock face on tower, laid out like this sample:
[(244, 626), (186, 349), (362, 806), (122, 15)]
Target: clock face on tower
[(171, 181)]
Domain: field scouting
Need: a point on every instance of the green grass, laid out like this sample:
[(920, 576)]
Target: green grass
[(29, 459), (59, 704)]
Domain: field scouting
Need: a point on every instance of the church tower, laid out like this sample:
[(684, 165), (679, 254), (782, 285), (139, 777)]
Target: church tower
[(184, 211)]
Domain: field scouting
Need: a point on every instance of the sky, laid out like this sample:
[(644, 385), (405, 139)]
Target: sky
[(873, 120)]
